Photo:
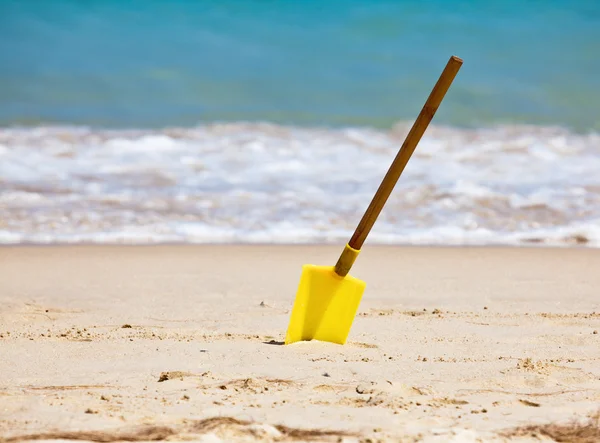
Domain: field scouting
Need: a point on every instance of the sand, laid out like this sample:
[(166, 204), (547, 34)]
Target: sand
[(185, 342)]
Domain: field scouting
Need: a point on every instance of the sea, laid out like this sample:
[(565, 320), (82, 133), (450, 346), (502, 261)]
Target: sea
[(261, 121)]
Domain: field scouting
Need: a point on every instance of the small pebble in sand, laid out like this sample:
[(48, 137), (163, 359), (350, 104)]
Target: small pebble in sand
[(90, 411), (595, 331), (364, 389), (325, 374), (126, 326), (163, 377), (485, 307), (529, 403)]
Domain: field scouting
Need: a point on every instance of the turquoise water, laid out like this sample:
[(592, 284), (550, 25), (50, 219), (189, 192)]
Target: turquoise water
[(327, 63), (275, 121)]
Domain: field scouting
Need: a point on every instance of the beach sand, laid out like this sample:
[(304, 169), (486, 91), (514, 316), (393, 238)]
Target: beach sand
[(176, 342)]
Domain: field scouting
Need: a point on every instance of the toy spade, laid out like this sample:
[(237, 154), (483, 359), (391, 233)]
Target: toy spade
[(328, 297)]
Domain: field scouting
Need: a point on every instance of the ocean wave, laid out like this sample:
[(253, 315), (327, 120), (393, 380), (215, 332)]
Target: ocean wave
[(265, 183)]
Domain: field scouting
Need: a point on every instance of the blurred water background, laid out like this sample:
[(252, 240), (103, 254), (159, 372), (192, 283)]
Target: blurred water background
[(264, 121)]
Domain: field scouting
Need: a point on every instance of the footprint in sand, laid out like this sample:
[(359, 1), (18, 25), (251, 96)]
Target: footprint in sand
[(253, 385), (541, 374)]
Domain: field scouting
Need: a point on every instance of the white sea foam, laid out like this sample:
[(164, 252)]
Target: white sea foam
[(248, 183)]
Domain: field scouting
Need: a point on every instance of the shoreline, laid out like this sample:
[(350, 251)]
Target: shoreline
[(184, 244)]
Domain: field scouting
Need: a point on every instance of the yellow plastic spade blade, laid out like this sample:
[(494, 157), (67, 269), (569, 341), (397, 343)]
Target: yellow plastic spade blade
[(325, 305)]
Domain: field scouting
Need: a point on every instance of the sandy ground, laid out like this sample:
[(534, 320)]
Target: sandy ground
[(180, 342)]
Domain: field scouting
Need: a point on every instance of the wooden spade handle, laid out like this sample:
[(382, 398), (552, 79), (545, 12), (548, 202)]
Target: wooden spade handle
[(408, 147)]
